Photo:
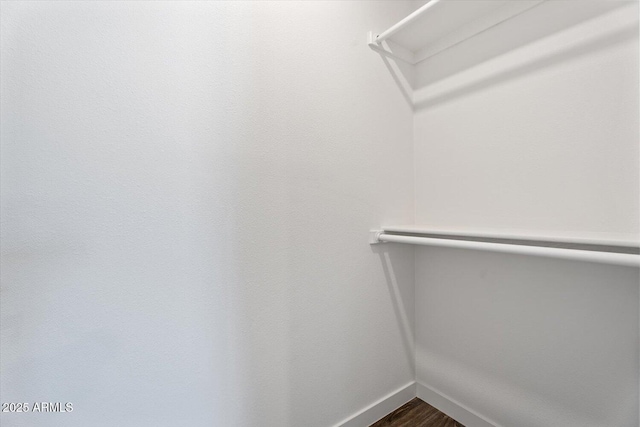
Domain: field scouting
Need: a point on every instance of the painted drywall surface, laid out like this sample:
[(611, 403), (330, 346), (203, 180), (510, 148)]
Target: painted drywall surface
[(543, 137), (540, 137), (186, 193), (529, 341)]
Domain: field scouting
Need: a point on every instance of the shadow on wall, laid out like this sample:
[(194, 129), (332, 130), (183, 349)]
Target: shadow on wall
[(549, 60), (403, 76), (401, 302)]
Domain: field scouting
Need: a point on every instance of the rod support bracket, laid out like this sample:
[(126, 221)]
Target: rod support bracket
[(374, 237), (371, 38)]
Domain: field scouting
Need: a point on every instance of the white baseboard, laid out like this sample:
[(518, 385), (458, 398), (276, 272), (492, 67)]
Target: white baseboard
[(454, 409), (382, 407), (396, 399)]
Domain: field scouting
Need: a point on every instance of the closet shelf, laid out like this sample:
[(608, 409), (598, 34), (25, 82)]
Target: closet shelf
[(441, 24), (589, 249)]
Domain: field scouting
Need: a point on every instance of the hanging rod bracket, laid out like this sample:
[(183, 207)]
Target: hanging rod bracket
[(371, 38), (389, 49), (374, 237)]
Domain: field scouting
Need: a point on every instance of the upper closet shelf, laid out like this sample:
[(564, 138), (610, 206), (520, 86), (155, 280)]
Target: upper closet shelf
[(441, 24)]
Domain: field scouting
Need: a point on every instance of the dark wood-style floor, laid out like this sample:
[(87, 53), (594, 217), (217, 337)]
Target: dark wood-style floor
[(416, 413)]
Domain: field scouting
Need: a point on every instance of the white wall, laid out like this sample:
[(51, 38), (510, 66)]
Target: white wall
[(532, 126), (542, 137), (186, 192)]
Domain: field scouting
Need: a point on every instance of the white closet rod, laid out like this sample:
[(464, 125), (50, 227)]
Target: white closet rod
[(592, 239), (630, 260), (406, 21)]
